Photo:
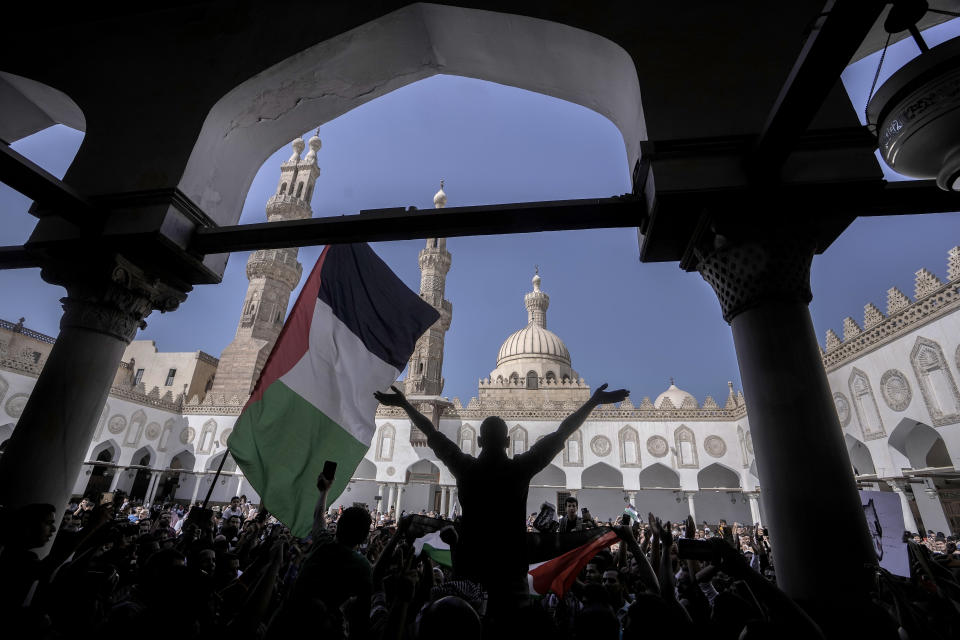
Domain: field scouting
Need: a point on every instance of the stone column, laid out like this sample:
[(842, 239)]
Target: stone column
[(105, 305), (392, 498), (399, 498), (380, 488), (443, 499), (690, 505), (453, 500), (239, 491), (754, 499), (900, 487), (151, 487), (762, 279)]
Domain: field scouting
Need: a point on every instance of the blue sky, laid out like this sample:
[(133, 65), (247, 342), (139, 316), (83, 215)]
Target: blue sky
[(630, 324)]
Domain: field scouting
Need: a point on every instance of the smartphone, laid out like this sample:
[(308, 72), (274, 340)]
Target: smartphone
[(329, 469), (107, 497)]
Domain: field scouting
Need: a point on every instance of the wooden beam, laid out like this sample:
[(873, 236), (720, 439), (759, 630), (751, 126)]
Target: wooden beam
[(50, 193)]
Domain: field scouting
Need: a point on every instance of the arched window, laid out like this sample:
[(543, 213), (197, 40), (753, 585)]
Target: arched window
[(573, 450), (936, 382), (468, 439), (207, 435), (865, 404), (420, 367), (518, 441), (283, 188), (741, 438), (551, 377), (165, 435), (135, 430), (385, 442), (299, 189), (532, 380), (565, 379), (309, 193), (686, 444), (514, 378), (629, 447)]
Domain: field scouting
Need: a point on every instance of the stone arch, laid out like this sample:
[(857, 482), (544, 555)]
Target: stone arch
[(865, 405), (37, 106), (135, 430), (629, 447), (533, 380), (718, 476), (573, 450), (107, 445), (164, 440), (366, 470), (423, 471), (550, 476), (920, 444), (229, 465), (860, 458), (936, 382), (551, 377), (686, 447), (518, 441), (144, 452), (601, 474), (407, 45), (386, 439), (283, 188), (659, 476), (184, 461), (207, 440), (468, 439)]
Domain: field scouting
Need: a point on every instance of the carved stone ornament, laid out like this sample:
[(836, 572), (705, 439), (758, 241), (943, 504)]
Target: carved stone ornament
[(600, 445), (749, 443), (895, 390), (16, 403), (746, 274), (843, 408), (391, 471), (657, 446), (153, 431), (116, 303), (224, 436), (187, 435), (117, 424), (715, 446)]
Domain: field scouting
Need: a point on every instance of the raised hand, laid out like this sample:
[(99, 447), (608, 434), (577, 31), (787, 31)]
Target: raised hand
[(691, 531), (395, 399), (666, 534), (654, 525), (602, 396), (324, 483)]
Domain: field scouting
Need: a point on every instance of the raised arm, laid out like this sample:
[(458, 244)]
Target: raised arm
[(447, 450), (320, 510), (551, 445)]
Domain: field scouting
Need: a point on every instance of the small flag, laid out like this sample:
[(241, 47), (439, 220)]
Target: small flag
[(351, 332), (558, 574), (630, 511), (434, 547)]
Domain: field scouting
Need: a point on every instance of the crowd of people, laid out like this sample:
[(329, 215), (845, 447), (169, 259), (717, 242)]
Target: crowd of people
[(118, 568)]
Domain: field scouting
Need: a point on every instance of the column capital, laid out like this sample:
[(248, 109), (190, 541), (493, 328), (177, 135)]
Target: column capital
[(900, 485), (757, 269), (112, 298)]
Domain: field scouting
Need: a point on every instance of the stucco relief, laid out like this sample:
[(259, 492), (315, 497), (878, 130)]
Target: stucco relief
[(657, 446), (895, 389), (865, 405), (117, 424), (187, 435), (600, 445), (937, 386), (224, 436), (843, 408), (715, 446), (153, 431), (16, 403)]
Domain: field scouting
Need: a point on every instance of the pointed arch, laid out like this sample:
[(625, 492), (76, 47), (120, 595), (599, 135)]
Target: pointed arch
[(518, 441), (860, 458), (601, 474), (629, 447), (551, 476), (659, 476), (184, 461), (468, 440), (366, 470), (135, 430), (865, 405), (386, 440), (686, 447), (936, 381), (144, 453), (920, 444), (207, 440), (108, 446), (717, 475), (229, 465), (573, 450)]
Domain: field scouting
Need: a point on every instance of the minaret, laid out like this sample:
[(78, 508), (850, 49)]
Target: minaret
[(537, 303), (273, 274), (425, 370)]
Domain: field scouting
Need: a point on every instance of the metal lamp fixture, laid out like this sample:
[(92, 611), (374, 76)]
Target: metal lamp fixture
[(917, 110)]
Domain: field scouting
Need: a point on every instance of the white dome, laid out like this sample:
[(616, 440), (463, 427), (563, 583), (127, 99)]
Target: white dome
[(677, 397), (533, 341), (440, 198)]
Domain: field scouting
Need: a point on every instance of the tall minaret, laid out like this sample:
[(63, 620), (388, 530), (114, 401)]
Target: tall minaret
[(425, 371), (273, 274)]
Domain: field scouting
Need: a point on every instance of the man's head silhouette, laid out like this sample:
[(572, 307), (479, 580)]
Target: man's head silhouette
[(493, 434)]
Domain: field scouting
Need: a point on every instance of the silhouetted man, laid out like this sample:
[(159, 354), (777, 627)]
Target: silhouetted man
[(491, 548)]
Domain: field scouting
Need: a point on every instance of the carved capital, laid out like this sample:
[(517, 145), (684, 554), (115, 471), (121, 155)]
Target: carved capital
[(113, 300), (747, 274), (900, 485)]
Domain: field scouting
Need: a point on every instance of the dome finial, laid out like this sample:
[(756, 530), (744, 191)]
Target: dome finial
[(536, 278), (297, 149), (672, 383), (440, 198), (315, 145)]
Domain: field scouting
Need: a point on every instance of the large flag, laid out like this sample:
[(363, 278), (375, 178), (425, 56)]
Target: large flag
[(558, 574), (351, 332)]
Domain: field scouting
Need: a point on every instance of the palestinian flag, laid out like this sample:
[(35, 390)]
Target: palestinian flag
[(351, 332), (558, 574), (434, 547)]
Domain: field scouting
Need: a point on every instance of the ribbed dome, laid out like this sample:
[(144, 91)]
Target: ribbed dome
[(533, 341), (677, 397)]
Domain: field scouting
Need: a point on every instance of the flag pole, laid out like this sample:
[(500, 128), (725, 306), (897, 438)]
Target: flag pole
[(213, 483)]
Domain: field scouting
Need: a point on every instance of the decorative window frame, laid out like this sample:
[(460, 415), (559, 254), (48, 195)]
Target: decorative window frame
[(518, 433), (467, 430), (138, 422), (164, 440), (387, 430), (856, 399), (742, 440), (578, 438), (683, 433), (937, 415), (210, 426), (629, 434)]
